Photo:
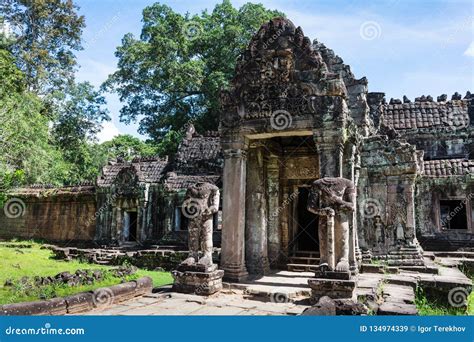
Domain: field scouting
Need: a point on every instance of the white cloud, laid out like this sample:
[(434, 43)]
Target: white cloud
[(108, 132), (470, 50)]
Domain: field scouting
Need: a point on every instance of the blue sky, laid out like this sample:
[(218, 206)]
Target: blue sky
[(403, 47)]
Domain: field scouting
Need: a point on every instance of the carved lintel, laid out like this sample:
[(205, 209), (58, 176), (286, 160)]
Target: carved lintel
[(235, 153)]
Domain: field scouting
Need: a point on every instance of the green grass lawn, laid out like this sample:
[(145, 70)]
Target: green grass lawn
[(432, 308), (16, 263)]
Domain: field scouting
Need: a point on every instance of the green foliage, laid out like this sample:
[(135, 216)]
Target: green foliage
[(49, 138), (79, 112), (126, 146), (24, 133), (175, 71), (78, 115), (46, 34), (168, 145)]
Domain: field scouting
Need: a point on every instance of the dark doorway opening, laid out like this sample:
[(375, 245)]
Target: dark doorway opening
[(132, 236), (307, 232), (453, 214)]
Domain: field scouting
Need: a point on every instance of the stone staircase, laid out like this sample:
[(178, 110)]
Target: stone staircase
[(404, 256), (303, 261)]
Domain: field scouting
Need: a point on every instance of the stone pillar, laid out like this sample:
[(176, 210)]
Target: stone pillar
[(284, 216), (233, 215), (256, 251), (118, 225), (357, 251), (330, 152), (409, 186), (273, 226), (351, 172)]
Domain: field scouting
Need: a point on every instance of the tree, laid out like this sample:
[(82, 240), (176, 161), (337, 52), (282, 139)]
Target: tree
[(79, 113), (27, 156), (126, 146), (46, 34), (175, 71)]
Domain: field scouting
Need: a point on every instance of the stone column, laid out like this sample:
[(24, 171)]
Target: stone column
[(256, 252), (330, 151), (273, 226), (233, 215), (284, 217), (357, 251), (350, 172), (409, 186)]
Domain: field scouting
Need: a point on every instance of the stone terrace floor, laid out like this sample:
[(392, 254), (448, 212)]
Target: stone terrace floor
[(287, 293), (227, 302)]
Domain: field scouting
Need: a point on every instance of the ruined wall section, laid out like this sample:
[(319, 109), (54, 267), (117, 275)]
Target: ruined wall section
[(52, 214), (385, 198), (445, 180)]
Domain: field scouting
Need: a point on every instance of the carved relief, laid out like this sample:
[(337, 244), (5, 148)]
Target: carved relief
[(280, 70)]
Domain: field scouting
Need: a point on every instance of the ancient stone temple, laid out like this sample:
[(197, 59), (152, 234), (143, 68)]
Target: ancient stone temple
[(142, 199), (294, 115)]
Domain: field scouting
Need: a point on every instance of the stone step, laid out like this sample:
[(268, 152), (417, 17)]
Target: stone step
[(309, 254), (456, 254), (421, 269), (301, 267), (398, 300), (304, 260), (102, 262)]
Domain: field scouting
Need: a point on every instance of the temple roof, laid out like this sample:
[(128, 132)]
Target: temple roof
[(149, 170), (448, 167), (426, 114), (199, 154), (175, 182)]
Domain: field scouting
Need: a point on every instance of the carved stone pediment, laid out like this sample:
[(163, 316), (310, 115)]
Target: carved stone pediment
[(279, 71), (127, 182)]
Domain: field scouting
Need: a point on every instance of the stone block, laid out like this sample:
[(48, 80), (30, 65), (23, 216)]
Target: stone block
[(55, 306), (80, 302), (333, 288), (333, 275), (200, 283), (332, 307), (144, 286)]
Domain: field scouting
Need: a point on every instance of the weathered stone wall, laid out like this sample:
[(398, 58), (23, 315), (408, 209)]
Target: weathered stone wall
[(429, 191), (60, 217), (386, 211)]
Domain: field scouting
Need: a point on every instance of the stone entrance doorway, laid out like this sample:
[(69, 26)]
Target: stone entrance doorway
[(306, 238), (130, 224)]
